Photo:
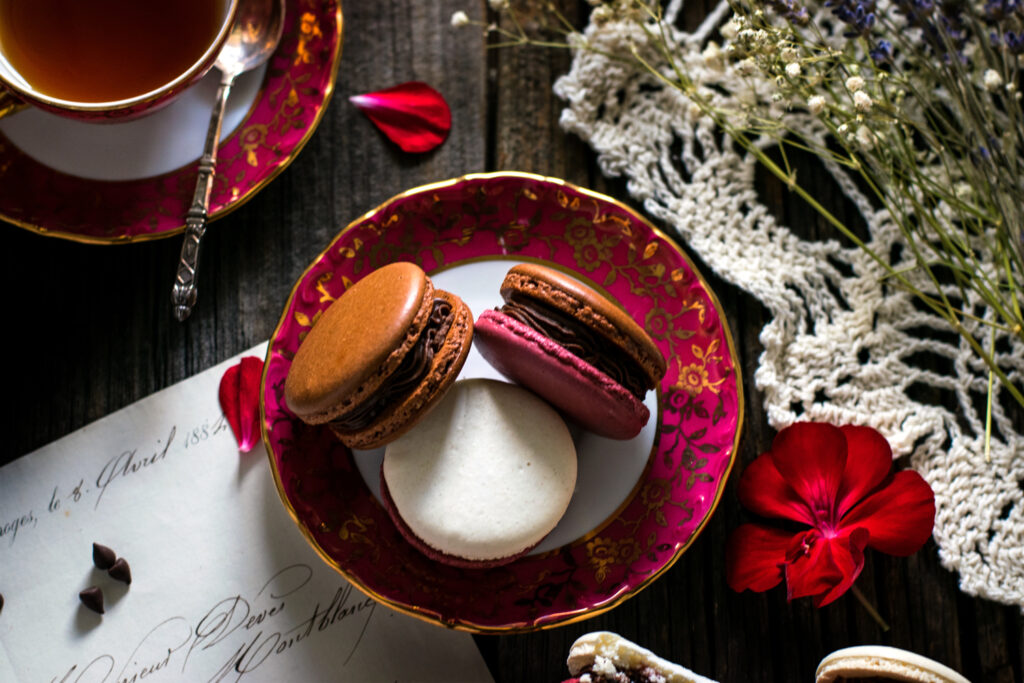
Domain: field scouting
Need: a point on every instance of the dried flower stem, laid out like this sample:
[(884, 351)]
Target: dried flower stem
[(915, 122), (862, 599)]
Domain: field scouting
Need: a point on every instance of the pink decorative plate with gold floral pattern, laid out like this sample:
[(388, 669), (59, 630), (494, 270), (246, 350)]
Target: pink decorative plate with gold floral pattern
[(638, 504), (45, 189)]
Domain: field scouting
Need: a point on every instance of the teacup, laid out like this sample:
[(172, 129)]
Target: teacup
[(115, 60)]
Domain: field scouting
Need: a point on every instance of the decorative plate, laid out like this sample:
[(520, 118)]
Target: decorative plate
[(638, 504), (298, 85)]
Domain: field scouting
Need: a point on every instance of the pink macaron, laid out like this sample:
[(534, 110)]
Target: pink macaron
[(573, 347)]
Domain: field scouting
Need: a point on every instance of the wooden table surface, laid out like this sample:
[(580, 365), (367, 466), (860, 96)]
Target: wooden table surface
[(90, 330)]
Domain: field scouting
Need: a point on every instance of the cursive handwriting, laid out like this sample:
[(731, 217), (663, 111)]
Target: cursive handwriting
[(117, 469), (204, 431), (231, 614), (148, 657), (254, 652), (11, 528), (239, 633), (152, 654), (97, 670), (122, 466)]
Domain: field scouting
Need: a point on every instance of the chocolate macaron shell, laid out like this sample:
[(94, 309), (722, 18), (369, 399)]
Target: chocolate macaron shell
[(443, 370), (576, 388), (599, 313), (358, 342)]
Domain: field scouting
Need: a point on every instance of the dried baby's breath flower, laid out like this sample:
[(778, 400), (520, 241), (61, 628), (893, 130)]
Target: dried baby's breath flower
[(576, 40), (862, 101), (731, 29), (993, 81), (875, 84), (854, 83), (757, 38), (865, 137), (601, 15), (747, 67), (713, 56)]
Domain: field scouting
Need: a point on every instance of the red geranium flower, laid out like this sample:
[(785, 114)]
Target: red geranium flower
[(837, 481)]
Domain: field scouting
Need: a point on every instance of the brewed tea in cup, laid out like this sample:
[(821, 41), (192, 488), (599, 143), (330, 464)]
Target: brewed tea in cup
[(108, 58)]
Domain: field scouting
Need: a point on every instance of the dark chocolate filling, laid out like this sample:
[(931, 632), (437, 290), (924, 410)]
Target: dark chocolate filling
[(579, 340), (407, 376), (645, 674)]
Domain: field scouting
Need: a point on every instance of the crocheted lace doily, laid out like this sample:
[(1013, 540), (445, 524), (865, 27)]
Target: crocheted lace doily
[(841, 345)]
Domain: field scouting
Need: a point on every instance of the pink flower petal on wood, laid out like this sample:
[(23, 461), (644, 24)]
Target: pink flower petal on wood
[(413, 115), (239, 395)]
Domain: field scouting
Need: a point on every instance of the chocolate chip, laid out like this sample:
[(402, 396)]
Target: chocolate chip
[(121, 571), (92, 597), (102, 556)]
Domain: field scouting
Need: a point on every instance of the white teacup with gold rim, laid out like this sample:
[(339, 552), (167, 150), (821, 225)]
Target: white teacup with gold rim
[(106, 60)]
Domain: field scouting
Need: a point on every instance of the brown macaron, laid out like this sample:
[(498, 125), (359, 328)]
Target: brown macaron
[(380, 357)]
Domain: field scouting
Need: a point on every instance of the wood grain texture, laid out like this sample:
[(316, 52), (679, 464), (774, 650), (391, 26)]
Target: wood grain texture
[(90, 330)]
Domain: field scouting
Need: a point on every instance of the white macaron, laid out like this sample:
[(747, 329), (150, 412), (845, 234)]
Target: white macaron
[(483, 478), (607, 656), (883, 662)]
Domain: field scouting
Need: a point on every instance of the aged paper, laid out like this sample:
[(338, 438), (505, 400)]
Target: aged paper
[(224, 588)]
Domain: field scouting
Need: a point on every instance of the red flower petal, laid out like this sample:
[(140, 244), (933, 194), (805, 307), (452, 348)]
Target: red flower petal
[(811, 457), (826, 567), (754, 557), (868, 461), (847, 554), (239, 395), (763, 490), (413, 115), (898, 517), (837, 481)]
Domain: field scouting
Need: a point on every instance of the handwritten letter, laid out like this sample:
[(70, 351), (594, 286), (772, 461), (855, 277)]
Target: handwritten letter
[(224, 588)]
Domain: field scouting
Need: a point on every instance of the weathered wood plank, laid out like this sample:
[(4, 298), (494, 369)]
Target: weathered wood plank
[(89, 330)]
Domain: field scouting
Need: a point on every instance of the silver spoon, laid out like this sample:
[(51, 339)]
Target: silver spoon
[(254, 37)]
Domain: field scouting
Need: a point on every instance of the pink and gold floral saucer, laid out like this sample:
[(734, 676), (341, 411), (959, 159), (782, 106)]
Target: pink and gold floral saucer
[(284, 113), (638, 504)]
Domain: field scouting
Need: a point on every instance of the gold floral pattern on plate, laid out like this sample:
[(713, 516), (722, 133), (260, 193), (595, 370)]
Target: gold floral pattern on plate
[(298, 85), (519, 216)]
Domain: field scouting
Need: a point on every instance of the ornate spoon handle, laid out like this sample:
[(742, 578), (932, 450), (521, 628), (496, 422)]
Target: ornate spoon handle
[(183, 294)]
